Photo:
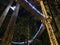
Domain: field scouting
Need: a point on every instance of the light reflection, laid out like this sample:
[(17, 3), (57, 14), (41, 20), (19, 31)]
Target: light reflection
[(35, 8), (13, 8)]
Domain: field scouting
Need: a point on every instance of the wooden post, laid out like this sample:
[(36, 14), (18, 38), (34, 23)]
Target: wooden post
[(47, 23)]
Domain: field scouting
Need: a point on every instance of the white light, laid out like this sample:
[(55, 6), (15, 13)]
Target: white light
[(13, 8)]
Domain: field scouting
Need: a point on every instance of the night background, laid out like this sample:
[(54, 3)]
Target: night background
[(20, 24)]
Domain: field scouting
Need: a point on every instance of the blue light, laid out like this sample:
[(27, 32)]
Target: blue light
[(35, 8)]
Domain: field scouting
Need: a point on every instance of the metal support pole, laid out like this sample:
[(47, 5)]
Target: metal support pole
[(8, 35)]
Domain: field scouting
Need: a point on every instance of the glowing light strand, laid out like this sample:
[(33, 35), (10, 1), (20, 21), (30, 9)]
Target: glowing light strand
[(30, 41), (34, 8)]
